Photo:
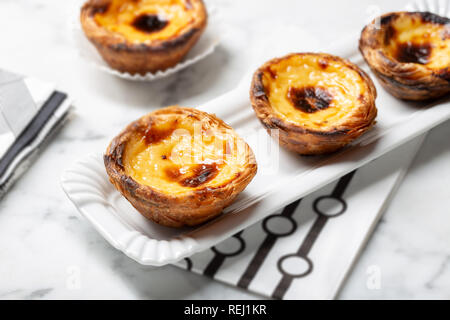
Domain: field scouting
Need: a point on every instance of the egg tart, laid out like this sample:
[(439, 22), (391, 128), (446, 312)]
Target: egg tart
[(409, 52), (140, 36), (179, 166), (316, 102)]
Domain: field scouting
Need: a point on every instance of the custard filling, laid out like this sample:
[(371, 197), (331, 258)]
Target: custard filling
[(178, 155), (409, 39), (146, 20), (312, 91)]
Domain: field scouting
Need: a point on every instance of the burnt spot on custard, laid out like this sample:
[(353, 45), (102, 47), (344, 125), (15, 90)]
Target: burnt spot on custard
[(201, 174), (425, 17), (309, 99), (386, 20), (433, 18), (390, 33), (100, 9), (149, 23), (272, 73), (323, 64), (409, 52), (152, 135), (196, 176), (173, 173)]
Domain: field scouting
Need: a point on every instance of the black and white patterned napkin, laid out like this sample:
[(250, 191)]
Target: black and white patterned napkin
[(305, 250), (30, 111)]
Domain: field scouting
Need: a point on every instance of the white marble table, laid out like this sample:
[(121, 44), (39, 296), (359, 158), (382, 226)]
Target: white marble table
[(47, 251)]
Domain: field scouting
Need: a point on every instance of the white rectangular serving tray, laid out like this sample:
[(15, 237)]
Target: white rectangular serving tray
[(282, 178)]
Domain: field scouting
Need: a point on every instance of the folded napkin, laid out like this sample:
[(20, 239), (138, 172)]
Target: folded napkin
[(30, 111), (305, 250)]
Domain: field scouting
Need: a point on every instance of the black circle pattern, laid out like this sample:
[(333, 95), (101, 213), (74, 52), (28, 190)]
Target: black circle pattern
[(240, 249), (298, 275), (312, 236), (220, 257), (322, 213), (275, 233)]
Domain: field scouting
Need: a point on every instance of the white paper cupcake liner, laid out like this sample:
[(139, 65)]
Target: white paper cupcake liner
[(440, 7), (205, 46)]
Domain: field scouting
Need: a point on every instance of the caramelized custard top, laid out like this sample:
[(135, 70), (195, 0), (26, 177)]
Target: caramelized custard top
[(177, 154), (412, 38), (312, 91), (146, 20)]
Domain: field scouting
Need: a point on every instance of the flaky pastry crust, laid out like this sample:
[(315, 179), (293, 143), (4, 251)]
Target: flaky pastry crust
[(316, 102), (409, 52), (150, 166), (141, 36)]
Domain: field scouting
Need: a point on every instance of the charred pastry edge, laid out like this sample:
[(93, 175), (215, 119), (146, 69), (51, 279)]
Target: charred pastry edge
[(408, 81), (108, 42), (303, 140), (190, 208)]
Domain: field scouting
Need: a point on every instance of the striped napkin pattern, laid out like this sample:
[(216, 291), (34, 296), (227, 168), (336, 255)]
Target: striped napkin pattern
[(305, 250), (30, 111)]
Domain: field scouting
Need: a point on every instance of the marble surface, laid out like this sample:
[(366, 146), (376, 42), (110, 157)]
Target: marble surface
[(48, 251)]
